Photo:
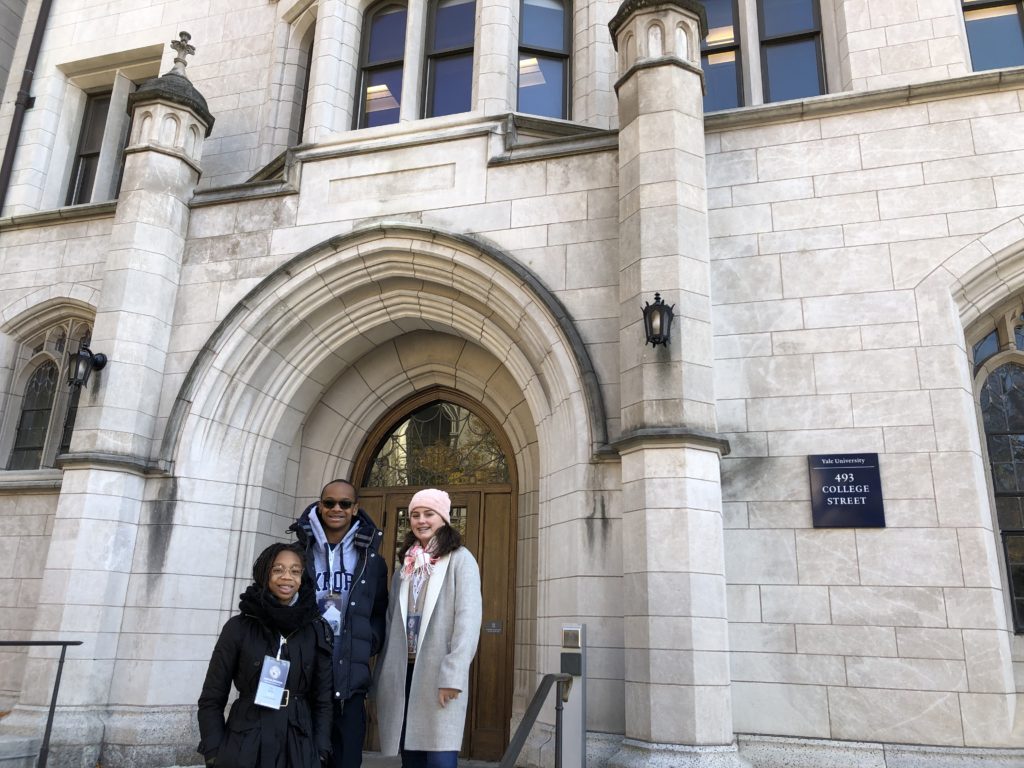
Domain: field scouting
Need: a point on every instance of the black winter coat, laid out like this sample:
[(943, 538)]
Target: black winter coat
[(257, 737), (362, 634)]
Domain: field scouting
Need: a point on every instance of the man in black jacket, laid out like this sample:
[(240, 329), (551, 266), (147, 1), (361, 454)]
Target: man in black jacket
[(343, 557)]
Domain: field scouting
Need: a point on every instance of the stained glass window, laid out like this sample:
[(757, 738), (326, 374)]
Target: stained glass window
[(1002, 408), (441, 444), (30, 438)]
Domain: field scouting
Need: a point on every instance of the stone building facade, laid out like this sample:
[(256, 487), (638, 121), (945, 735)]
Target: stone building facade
[(357, 241)]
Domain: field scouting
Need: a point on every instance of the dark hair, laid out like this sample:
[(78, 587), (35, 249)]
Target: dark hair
[(261, 568), (349, 483), (446, 540)]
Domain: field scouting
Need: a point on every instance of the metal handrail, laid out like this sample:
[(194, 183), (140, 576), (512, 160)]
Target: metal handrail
[(44, 749), (515, 746)]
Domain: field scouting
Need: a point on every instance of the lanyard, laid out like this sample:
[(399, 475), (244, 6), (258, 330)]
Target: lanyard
[(280, 645), (331, 552)]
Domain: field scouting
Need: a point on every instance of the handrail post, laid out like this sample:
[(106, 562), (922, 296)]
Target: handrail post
[(44, 750), (515, 745), (558, 723)]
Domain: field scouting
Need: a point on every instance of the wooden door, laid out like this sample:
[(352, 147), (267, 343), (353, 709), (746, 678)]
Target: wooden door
[(484, 516)]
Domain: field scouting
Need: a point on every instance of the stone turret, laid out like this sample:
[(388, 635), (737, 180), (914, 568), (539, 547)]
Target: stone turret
[(102, 512), (678, 701)]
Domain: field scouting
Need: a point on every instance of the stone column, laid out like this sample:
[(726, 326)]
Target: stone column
[(678, 700), (499, 61), (92, 548), (332, 76)]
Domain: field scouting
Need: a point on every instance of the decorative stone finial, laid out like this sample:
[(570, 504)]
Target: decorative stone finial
[(174, 87), (183, 49)]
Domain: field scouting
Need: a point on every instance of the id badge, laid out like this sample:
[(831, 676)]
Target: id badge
[(332, 615), (273, 678), (412, 630)]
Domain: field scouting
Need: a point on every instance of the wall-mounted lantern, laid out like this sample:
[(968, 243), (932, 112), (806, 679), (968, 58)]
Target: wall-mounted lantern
[(658, 321), (82, 363)]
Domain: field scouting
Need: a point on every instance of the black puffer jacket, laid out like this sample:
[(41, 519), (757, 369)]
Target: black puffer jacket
[(295, 736), (362, 634)]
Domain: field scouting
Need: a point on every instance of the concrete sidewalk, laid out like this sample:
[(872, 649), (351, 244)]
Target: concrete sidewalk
[(376, 760)]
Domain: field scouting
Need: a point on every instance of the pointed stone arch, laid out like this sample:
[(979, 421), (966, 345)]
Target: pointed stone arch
[(292, 335), (232, 430)]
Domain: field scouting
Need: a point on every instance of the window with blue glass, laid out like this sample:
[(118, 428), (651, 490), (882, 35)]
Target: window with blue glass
[(995, 34), (543, 58), (792, 66), (720, 57), (380, 76), (449, 67)]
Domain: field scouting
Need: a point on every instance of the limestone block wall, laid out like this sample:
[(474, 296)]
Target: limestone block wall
[(50, 260), (26, 520), (556, 216), (837, 247), (884, 43)]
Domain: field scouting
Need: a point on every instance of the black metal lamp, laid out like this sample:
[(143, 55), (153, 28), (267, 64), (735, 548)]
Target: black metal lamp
[(82, 363), (658, 321)]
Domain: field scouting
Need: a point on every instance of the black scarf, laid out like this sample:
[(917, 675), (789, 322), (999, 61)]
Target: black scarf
[(257, 602)]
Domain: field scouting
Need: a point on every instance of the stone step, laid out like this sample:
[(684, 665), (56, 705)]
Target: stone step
[(18, 752)]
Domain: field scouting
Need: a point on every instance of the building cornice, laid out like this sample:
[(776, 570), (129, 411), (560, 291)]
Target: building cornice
[(662, 436), (861, 101), (139, 465), (30, 480), (64, 215)]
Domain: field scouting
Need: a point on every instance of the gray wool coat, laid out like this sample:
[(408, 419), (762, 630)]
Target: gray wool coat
[(449, 633)]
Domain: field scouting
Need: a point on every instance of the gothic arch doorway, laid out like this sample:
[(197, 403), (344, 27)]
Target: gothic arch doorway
[(440, 438)]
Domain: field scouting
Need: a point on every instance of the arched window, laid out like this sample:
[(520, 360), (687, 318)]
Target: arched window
[(544, 58), (449, 63), (443, 444), (1002, 409), (43, 407), (380, 74), (30, 437)]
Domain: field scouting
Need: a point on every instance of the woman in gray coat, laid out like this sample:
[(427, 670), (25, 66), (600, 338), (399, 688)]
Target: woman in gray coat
[(423, 677)]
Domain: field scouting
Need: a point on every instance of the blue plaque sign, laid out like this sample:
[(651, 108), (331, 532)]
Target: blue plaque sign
[(846, 491)]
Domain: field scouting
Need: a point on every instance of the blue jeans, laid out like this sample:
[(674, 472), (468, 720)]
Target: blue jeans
[(414, 758)]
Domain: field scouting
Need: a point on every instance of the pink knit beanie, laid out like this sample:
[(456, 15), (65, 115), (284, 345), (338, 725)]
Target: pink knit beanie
[(432, 498)]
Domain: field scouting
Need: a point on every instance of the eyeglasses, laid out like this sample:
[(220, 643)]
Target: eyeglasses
[(343, 503), (280, 570)]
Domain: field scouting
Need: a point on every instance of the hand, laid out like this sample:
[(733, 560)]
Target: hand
[(444, 695)]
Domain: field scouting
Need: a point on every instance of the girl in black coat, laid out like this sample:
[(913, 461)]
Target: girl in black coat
[(278, 613)]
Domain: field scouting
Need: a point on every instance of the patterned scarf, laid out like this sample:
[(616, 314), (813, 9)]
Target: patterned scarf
[(419, 561)]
